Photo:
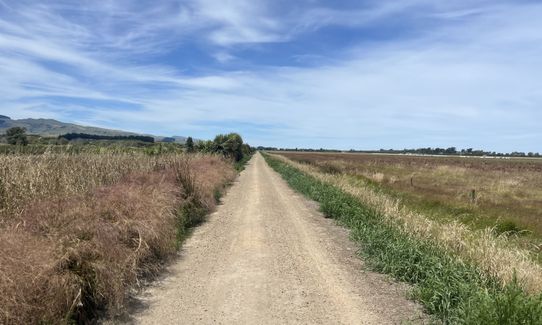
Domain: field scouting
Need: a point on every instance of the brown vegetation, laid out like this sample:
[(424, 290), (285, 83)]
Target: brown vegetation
[(501, 193), (77, 231), (496, 255)]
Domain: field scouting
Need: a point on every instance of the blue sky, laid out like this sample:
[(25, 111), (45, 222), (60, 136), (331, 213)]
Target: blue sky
[(364, 74)]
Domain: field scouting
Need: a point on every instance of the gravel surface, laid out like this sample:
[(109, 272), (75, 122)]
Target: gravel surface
[(267, 256)]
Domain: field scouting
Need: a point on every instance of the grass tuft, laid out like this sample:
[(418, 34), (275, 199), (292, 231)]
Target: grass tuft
[(508, 227)]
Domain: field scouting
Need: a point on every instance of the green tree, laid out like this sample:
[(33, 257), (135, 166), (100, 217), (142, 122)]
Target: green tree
[(17, 136), (204, 146), (246, 149), (189, 144), (230, 145)]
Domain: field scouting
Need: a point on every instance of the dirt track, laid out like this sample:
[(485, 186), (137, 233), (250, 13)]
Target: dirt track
[(267, 256)]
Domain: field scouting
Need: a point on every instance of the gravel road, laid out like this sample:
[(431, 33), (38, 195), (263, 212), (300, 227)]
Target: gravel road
[(267, 256)]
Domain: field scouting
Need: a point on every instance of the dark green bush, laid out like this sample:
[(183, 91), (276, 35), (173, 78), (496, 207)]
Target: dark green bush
[(508, 227)]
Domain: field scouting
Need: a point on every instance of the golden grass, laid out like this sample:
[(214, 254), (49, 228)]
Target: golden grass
[(25, 178), (506, 190), (492, 254), (77, 231)]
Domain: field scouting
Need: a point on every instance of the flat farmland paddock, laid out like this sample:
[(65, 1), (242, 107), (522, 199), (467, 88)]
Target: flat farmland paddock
[(505, 194)]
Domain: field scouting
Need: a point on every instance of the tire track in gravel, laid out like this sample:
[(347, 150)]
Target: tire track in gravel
[(267, 256)]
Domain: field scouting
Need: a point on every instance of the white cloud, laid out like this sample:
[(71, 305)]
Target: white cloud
[(473, 83), (223, 57)]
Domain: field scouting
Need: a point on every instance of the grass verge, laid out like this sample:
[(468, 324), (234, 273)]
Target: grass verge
[(454, 291), (240, 165), (502, 194), (70, 252)]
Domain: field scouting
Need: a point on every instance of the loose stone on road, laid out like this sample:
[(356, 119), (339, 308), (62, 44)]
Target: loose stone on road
[(267, 256)]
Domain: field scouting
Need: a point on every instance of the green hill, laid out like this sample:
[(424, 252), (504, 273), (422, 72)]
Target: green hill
[(53, 128)]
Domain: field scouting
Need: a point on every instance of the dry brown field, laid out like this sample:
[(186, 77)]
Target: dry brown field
[(482, 192)]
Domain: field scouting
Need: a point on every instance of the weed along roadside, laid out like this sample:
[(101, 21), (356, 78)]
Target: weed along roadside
[(195, 207), (71, 258), (454, 288), (503, 194), (74, 240), (83, 225)]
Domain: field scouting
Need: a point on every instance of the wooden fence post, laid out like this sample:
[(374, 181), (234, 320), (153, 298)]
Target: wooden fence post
[(473, 196)]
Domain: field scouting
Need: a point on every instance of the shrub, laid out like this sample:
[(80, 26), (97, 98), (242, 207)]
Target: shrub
[(17, 136), (189, 144)]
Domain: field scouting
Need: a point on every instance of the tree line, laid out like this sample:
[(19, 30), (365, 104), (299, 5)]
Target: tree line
[(229, 145), (462, 152), (86, 136), (420, 151)]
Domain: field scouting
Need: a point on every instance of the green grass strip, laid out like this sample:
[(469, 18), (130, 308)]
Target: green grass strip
[(240, 165), (452, 291)]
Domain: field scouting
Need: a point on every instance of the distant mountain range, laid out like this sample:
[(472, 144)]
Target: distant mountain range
[(53, 128)]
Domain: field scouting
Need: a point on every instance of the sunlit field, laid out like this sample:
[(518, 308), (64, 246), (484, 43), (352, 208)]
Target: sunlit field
[(465, 264), (78, 230), (482, 192)]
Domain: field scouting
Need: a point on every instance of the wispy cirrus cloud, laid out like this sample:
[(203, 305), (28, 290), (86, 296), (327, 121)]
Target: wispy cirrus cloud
[(365, 74)]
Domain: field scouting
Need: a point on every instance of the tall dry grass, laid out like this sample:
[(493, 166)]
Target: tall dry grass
[(77, 231), (507, 191), (25, 178), (492, 254)]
